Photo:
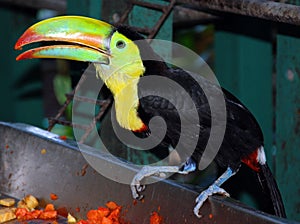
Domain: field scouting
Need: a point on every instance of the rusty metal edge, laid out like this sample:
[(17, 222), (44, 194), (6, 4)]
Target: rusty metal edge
[(264, 9)]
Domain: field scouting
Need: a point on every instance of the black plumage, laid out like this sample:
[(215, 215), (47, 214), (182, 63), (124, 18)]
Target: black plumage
[(243, 136)]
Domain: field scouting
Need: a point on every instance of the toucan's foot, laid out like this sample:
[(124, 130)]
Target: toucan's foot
[(148, 171), (213, 189)]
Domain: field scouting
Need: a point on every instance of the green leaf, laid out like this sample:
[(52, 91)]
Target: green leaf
[(62, 85)]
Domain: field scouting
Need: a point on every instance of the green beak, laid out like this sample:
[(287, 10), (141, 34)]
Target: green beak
[(81, 39)]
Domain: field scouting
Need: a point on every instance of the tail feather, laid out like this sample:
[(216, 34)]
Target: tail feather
[(270, 187)]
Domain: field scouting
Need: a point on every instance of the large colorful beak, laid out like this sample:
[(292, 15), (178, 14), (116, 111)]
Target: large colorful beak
[(80, 38)]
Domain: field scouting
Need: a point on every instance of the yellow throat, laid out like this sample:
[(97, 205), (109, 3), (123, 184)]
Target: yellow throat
[(124, 88)]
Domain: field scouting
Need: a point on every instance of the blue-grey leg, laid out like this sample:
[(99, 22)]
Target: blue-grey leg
[(215, 188)]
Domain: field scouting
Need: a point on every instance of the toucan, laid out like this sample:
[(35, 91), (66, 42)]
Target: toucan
[(121, 57)]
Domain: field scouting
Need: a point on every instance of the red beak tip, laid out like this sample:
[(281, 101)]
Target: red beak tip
[(18, 58), (23, 56), (18, 45)]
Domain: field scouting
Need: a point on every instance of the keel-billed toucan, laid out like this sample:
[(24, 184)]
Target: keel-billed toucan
[(120, 62)]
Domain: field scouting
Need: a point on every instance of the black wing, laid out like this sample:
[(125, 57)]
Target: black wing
[(242, 132)]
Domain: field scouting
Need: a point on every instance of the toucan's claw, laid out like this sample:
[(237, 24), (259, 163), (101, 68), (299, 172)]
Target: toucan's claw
[(213, 189), (137, 187), (148, 171)]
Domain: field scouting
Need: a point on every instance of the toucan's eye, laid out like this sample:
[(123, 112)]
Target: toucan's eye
[(120, 44)]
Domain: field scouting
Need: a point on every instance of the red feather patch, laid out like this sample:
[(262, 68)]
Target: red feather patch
[(251, 161)]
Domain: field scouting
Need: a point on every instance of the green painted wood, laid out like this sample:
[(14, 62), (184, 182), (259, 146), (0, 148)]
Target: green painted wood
[(243, 65), (90, 8), (288, 122), (18, 78)]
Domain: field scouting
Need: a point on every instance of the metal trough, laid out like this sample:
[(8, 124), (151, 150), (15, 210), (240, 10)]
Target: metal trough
[(62, 169)]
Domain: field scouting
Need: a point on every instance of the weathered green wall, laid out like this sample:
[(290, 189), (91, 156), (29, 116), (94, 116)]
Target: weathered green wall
[(20, 85), (264, 73), (288, 122)]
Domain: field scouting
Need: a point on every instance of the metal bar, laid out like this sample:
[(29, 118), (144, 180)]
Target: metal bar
[(68, 123), (162, 19), (185, 17), (269, 10), (142, 30), (125, 14), (93, 123), (61, 111), (88, 100)]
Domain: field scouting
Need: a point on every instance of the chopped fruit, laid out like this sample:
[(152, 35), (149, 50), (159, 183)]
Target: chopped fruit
[(103, 211), (71, 219), (63, 137), (109, 214), (29, 202), (83, 222), (7, 214), (104, 215), (111, 205), (62, 211), (24, 214), (20, 212), (155, 218), (53, 196), (48, 215), (7, 202), (49, 207), (94, 215), (106, 220), (115, 214)]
